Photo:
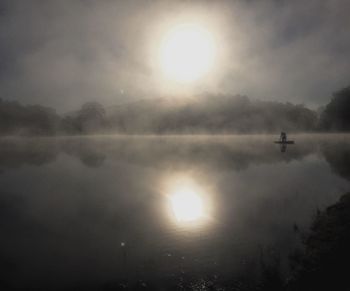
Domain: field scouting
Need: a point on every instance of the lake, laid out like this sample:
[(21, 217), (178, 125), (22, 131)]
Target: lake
[(161, 213)]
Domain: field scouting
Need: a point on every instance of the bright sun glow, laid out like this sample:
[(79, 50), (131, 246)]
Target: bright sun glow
[(186, 204), (187, 53)]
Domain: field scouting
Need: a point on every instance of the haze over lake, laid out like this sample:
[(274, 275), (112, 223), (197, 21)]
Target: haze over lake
[(174, 145), (96, 212)]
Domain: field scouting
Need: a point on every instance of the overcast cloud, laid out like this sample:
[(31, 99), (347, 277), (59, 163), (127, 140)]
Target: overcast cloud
[(64, 53)]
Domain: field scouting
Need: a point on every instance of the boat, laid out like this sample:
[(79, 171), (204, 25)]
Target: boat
[(284, 142)]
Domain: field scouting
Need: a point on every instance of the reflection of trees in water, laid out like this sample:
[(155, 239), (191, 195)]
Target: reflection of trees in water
[(338, 157), (217, 153), (322, 264), (236, 153), (88, 152), (231, 153), (15, 153), (93, 160)]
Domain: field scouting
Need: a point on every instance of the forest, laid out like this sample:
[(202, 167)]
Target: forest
[(219, 114)]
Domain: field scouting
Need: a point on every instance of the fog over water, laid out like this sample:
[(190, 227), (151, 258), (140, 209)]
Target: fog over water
[(96, 212), (174, 145)]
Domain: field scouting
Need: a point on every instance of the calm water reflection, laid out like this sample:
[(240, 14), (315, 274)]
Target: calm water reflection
[(152, 213), (186, 200)]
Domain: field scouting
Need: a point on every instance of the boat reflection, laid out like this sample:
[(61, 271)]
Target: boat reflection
[(283, 148)]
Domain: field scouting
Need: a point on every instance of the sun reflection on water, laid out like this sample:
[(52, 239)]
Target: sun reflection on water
[(187, 201), (186, 204)]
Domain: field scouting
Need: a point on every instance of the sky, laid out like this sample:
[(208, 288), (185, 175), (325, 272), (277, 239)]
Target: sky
[(64, 53)]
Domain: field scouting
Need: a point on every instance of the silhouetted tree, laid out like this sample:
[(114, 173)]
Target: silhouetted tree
[(322, 264), (27, 120), (70, 125), (212, 114), (91, 117), (336, 115)]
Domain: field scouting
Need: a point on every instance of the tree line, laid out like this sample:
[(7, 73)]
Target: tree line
[(207, 114)]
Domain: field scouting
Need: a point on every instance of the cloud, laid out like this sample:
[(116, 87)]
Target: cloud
[(64, 53)]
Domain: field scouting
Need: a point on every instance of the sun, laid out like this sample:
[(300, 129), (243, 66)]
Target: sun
[(187, 53)]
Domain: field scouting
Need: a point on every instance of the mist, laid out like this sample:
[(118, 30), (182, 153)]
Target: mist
[(206, 114), (174, 145), (63, 54)]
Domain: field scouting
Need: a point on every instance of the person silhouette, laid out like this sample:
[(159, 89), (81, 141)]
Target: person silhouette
[(283, 137)]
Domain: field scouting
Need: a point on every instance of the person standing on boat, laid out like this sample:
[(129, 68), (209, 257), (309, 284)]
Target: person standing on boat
[(283, 137)]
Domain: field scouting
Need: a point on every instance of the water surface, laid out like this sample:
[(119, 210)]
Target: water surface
[(99, 213)]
